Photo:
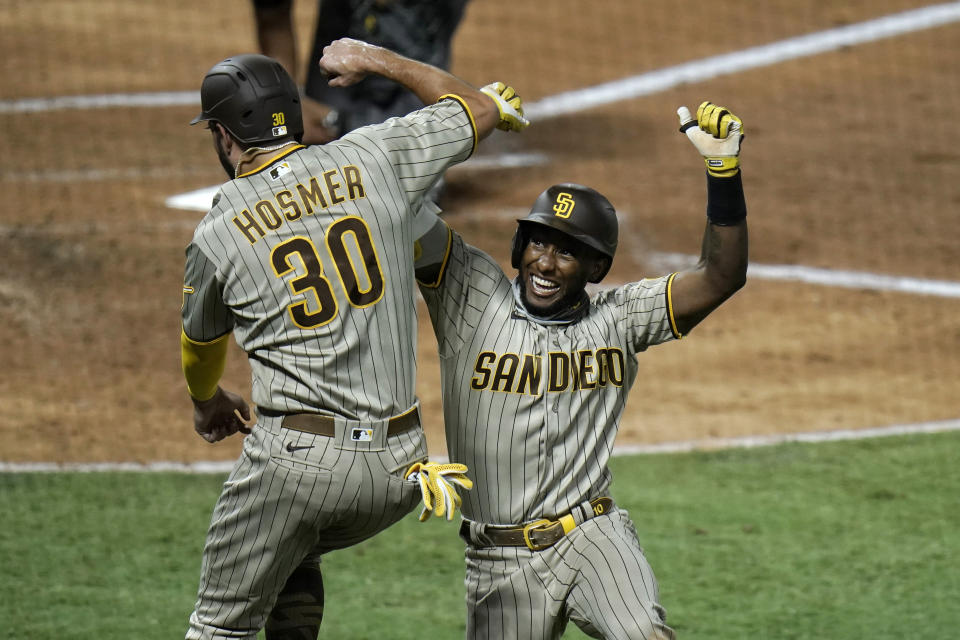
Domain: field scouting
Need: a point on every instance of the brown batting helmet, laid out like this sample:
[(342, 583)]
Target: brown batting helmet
[(253, 97), (577, 211)]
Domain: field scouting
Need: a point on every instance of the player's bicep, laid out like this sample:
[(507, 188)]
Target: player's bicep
[(721, 271), (693, 299), (204, 314)]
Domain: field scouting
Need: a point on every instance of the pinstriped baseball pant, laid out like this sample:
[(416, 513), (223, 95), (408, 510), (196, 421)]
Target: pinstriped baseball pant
[(279, 507), (596, 576)]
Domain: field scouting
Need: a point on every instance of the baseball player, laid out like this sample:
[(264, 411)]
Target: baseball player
[(306, 257), (535, 378)]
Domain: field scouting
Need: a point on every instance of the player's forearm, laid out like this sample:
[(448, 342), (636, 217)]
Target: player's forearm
[(724, 250), (724, 259), (275, 35), (203, 364), (722, 269), (430, 84), (427, 82)]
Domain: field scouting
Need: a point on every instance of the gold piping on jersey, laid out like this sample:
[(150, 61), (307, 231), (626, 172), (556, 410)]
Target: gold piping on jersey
[(271, 161), (473, 123), (669, 296), (443, 263)]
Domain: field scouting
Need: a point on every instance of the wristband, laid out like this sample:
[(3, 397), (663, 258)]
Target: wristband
[(726, 205)]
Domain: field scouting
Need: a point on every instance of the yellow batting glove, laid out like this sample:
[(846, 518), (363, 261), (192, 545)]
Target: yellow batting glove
[(510, 106), (716, 133), (438, 487)]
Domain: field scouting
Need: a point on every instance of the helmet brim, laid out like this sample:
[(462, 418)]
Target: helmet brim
[(551, 221)]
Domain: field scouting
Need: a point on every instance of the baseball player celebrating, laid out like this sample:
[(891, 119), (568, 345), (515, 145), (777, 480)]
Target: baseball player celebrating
[(535, 378), (306, 256)]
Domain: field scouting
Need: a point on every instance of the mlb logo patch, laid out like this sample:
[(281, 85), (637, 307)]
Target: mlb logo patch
[(279, 171), (362, 435), (279, 131)]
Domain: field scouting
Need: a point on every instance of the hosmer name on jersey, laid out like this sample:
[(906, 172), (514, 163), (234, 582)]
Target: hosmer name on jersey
[(332, 187), (523, 373)]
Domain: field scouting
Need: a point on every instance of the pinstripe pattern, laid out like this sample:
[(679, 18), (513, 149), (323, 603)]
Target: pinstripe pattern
[(559, 442), (538, 443), (307, 369), (339, 341), (597, 576), (278, 508)]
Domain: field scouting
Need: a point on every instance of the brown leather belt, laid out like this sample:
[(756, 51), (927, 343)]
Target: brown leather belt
[(322, 425), (540, 534)]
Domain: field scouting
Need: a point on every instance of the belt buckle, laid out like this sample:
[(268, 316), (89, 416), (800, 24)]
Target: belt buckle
[(537, 524)]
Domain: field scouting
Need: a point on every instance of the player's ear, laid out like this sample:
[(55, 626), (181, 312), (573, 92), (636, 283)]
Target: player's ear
[(598, 268), (220, 131)]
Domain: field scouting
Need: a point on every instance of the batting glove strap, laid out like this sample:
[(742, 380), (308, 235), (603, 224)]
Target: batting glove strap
[(716, 133), (438, 487), (510, 106)]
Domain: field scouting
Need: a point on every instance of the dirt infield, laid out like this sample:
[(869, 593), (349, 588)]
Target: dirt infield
[(848, 165)]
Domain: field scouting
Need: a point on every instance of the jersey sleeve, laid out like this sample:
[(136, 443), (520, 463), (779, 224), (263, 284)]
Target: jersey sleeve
[(204, 315), (459, 289), (431, 249), (645, 310), (422, 145)]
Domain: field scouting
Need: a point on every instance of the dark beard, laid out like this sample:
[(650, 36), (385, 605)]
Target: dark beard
[(225, 163), (221, 154)]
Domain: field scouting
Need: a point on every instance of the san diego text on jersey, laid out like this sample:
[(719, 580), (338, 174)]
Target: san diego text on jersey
[(523, 373)]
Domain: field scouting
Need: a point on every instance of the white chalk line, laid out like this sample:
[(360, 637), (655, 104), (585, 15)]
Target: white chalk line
[(552, 106), (103, 101), (751, 58), (67, 176), (707, 444), (826, 277), (844, 278), (632, 87), (200, 199)]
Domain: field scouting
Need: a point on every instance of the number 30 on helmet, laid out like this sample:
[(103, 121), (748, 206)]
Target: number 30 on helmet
[(253, 97)]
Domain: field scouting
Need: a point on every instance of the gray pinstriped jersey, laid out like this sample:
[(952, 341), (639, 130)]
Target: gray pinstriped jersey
[(308, 260), (533, 409)]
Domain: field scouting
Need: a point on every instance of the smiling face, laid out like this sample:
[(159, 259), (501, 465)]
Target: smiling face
[(554, 269)]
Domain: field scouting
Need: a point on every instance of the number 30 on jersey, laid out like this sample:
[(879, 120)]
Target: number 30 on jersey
[(362, 279)]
